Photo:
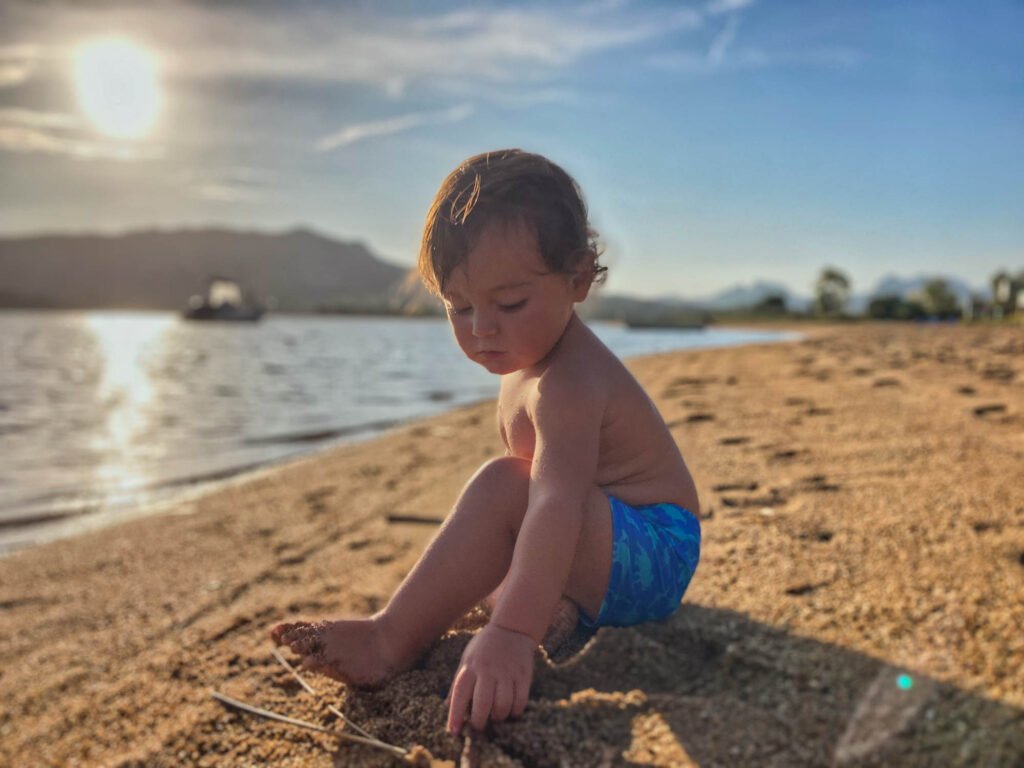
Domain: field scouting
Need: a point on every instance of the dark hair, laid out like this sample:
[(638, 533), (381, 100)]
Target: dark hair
[(507, 185)]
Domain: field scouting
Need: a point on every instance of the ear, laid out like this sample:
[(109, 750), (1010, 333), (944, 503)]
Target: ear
[(583, 278)]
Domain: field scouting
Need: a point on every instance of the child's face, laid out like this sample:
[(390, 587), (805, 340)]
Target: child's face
[(505, 306)]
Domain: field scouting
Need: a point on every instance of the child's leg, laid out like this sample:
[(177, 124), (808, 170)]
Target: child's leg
[(465, 562)]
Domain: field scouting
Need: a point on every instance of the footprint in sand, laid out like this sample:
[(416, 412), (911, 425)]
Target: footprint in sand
[(741, 486), (737, 440), (985, 410), (818, 483), (693, 418), (967, 391), (887, 382), (317, 498), (787, 454)]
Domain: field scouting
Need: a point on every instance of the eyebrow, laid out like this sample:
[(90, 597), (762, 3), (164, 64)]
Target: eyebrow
[(447, 295), (506, 286)]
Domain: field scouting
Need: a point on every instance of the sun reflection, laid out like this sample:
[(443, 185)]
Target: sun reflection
[(125, 392)]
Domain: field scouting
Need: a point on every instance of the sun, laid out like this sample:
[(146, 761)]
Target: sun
[(117, 86)]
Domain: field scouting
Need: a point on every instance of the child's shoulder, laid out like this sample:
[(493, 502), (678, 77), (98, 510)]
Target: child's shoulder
[(580, 373)]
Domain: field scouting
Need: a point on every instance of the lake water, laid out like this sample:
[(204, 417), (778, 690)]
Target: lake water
[(104, 415)]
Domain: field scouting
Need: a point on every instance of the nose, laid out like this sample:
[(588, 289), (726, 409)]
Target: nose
[(484, 323)]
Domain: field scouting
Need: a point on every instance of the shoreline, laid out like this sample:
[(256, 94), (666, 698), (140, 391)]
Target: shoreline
[(40, 524), (857, 602)]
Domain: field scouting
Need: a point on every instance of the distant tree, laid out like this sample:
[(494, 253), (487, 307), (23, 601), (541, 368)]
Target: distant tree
[(831, 291), (885, 307), (772, 304), (893, 307), (939, 301)]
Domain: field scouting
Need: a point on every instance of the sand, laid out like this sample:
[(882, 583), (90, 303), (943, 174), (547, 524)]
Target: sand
[(860, 601)]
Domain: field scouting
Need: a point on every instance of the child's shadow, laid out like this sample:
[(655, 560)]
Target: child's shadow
[(714, 688)]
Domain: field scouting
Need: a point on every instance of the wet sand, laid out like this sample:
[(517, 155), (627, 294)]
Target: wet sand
[(859, 601)]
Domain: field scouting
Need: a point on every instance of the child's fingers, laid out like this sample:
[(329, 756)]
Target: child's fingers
[(460, 695), (483, 698), (520, 698), (504, 697)]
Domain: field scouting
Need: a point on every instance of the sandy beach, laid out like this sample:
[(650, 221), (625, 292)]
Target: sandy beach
[(860, 599)]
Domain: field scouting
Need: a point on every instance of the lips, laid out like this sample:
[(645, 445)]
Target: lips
[(490, 354)]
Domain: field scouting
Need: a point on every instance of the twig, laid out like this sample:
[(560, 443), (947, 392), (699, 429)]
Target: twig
[(313, 692), (415, 519), (396, 751), (470, 757)]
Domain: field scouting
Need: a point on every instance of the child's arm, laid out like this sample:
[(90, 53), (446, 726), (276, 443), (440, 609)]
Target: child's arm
[(567, 422), (497, 666)]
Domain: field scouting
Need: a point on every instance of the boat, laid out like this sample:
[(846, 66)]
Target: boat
[(223, 301), (690, 321)]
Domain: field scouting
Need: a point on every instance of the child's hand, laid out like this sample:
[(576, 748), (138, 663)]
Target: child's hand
[(495, 672)]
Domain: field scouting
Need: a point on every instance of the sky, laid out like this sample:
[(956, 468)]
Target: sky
[(716, 142)]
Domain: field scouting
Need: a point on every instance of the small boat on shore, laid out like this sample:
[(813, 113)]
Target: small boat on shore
[(675, 320), (223, 301)]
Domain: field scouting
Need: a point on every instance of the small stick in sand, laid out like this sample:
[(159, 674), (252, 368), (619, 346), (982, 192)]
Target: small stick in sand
[(396, 751), (315, 694)]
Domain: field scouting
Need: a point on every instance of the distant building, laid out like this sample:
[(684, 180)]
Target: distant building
[(1007, 294)]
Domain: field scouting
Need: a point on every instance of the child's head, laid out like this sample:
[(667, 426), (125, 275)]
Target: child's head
[(514, 188)]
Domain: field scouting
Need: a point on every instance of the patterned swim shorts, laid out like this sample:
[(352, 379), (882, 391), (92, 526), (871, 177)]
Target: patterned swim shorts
[(655, 550)]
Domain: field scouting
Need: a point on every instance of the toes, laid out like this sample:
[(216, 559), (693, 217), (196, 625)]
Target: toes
[(279, 634), (304, 640)]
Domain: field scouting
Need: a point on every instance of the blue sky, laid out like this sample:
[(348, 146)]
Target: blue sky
[(717, 142)]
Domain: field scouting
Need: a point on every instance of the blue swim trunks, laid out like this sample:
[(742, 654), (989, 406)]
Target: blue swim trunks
[(655, 550)]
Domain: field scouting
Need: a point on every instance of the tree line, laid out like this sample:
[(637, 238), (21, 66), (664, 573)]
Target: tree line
[(935, 300)]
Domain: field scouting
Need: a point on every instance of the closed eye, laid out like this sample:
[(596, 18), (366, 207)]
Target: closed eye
[(512, 307), (455, 311)]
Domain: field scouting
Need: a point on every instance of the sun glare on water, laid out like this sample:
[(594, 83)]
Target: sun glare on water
[(117, 87)]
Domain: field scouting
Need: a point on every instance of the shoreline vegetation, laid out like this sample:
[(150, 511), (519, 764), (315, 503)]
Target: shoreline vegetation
[(857, 603)]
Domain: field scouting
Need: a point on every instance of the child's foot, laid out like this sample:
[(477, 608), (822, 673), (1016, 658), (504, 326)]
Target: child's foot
[(352, 651)]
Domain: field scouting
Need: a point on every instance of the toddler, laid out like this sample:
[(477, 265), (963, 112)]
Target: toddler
[(591, 509)]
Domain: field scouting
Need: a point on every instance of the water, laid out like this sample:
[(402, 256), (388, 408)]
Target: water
[(103, 414)]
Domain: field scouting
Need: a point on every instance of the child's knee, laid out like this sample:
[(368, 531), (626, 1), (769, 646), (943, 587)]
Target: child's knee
[(505, 474)]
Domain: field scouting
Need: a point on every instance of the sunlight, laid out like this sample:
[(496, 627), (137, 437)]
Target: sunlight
[(117, 87), (125, 392)]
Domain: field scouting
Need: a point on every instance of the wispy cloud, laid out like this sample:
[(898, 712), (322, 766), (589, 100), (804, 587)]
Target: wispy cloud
[(716, 7), (17, 63), (722, 41), (362, 131), (58, 133), (232, 185), (695, 63), (345, 43)]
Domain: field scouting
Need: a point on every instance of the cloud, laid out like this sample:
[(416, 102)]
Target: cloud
[(362, 131), (689, 62), (33, 119), (716, 7), (57, 133), (231, 185), (722, 42), (350, 43), (17, 63)]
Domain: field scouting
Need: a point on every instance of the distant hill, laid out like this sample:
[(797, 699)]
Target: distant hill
[(745, 296), (295, 271)]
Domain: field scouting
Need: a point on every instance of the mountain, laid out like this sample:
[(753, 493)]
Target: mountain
[(294, 271), (744, 296)]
